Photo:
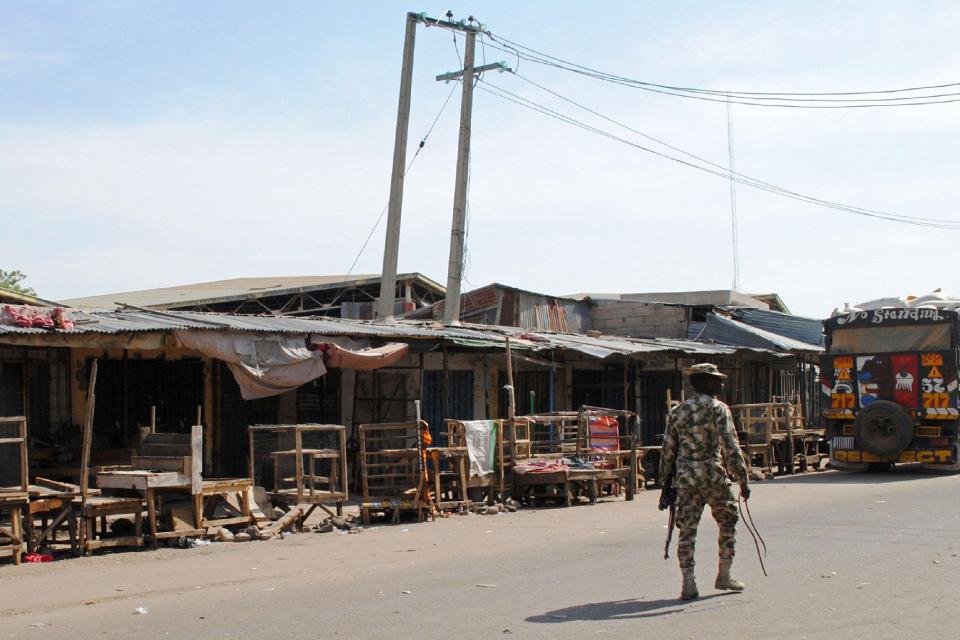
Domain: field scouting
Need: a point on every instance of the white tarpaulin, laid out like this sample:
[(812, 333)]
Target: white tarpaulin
[(263, 366), (481, 445)]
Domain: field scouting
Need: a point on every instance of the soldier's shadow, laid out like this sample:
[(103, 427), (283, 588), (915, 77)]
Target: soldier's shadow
[(619, 610)]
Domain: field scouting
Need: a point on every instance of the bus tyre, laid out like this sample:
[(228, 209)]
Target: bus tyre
[(883, 428)]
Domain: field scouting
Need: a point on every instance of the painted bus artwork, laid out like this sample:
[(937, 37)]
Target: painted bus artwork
[(889, 379)]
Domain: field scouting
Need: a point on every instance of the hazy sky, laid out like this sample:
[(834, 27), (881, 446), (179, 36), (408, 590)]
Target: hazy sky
[(154, 144)]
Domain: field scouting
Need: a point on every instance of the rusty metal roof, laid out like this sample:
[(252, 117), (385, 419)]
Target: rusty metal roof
[(141, 321), (504, 305)]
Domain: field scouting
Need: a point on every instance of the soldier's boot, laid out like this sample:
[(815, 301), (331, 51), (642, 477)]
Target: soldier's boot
[(689, 590), (724, 579)]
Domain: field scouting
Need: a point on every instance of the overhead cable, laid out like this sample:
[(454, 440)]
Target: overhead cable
[(783, 100), (721, 172), (725, 169)]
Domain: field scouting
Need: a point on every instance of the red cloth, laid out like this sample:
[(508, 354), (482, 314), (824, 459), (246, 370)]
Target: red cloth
[(27, 317)]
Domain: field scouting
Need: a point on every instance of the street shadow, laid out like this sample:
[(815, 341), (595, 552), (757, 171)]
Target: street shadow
[(900, 473), (619, 610)]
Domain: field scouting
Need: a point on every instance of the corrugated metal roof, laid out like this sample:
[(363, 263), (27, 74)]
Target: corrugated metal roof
[(806, 330), (518, 308), (233, 289), (136, 321), (728, 331)]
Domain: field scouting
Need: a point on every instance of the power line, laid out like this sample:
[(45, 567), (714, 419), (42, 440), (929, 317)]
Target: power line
[(722, 168), (546, 59), (755, 99), (724, 172), (423, 142)]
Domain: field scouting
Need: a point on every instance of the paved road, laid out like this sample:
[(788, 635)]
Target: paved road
[(853, 556)]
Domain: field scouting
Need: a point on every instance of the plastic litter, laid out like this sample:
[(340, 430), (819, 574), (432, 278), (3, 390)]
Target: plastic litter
[(38, 557), (140, 611)]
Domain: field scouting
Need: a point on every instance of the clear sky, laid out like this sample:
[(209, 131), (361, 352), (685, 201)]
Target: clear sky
[(147, 144)]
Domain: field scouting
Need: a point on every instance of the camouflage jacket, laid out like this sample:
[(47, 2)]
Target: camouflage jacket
[(699, 430)]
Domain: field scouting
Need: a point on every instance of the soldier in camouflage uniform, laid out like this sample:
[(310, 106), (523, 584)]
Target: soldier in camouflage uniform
[(699, 449)]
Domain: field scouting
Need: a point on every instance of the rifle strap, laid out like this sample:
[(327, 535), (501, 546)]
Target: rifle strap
[(743, 506)]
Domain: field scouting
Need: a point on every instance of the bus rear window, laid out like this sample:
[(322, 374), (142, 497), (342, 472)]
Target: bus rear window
[(928, 337)]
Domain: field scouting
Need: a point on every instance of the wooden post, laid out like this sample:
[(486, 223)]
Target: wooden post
[(511, 409), (298, 443), (196, 459), (88, 432), (788, 416), (343, 463), (626, 393), (153, 418), (24, 461), (251, 466)]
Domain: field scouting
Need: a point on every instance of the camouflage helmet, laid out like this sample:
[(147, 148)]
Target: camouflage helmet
[(705, 368)]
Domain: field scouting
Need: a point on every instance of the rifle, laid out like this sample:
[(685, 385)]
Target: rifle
[(668, 500)]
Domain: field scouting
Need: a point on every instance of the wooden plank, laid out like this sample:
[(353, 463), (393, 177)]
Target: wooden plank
[(165, 449), (126, 541), (196, 452), (298, 441), (167, 438), (286, 521), (65, 487), (224, 485), (178, 464), (143, 480)]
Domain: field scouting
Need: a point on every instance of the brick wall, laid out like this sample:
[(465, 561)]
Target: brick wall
[(638, 319)]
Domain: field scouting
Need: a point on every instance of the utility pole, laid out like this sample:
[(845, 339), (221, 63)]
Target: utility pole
[(388, 278), (451, 308), (391, 249)]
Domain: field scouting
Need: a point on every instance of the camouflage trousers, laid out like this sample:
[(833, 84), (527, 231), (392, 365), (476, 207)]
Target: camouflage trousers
[(690, 503)]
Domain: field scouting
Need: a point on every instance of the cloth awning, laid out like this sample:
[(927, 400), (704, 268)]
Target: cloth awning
[(263, 366), (337, 357)]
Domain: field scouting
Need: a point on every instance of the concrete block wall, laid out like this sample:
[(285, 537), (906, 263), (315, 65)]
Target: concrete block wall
[(638, 319)]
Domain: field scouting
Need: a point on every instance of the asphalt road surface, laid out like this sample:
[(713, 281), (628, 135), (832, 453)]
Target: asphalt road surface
[(850, 556)]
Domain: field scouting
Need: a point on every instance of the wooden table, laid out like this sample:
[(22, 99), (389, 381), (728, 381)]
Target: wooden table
[(148, 484), (154, 484), (53, 502)]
